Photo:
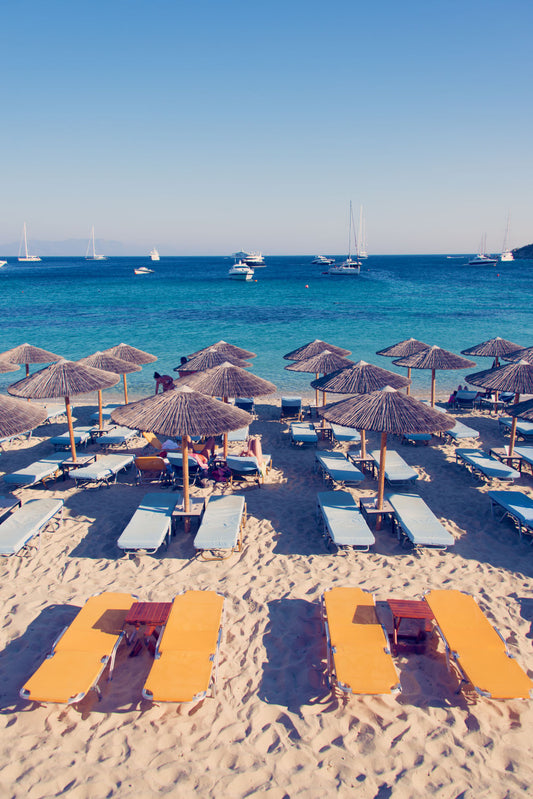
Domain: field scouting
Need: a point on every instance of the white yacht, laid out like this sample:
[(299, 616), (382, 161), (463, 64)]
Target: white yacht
[(322, 260), (240, 271), (482, 259), (91, 254), (154, 255), (3, 263), (24, 245), (250, 258), (507, 254), (350, 266), (143, 270)]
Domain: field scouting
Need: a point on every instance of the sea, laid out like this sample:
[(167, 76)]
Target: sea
[(74, 307)]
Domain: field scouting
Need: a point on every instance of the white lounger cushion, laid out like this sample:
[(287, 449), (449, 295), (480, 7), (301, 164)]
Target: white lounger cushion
[(492, 468), (117, 435), (344, 522), (461, 430), (25, 522), (418, 522), (221, 523), (396, 469), (149, 524), (81, 436), (303, 433), (37, 471), (516, 504), (339, 468), (526, 453), (341, 433), (104, 468)]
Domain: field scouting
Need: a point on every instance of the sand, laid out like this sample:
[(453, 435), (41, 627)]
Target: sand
[(274, 728)]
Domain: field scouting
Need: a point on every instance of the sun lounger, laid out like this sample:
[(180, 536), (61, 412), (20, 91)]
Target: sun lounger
[(221, 527), (186, 658), (303, 433), (526, 453), (150, 524), (291, 406), (336, 468), (53, 411), (515, 504), (151, 467), (241, 435), (243, 466), (480, 463), (117, 437), (341, 434), (396, 469), (460, 431), (28, 521), (103, 470), (524, 429), (81, 653), (358, 654), (477, 649), (48, 468), (82, 436), (343, 523), (245, 404), (416, 438), (465, 399), (417, 523), (106, 412), (16, 437)]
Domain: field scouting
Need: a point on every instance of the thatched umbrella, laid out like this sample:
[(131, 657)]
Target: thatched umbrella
[(182, 413), (434, 358), (8, 366), (63, 379), (226, 349), (313, 348), (523, 354), (128, 353), (108, 362), (361, 378), (209, 358), (493, 348), (226, 381), (522, 410), (323, 363), (403, 349), (27, 353), (386, 411), (515, 377), (18, 417)]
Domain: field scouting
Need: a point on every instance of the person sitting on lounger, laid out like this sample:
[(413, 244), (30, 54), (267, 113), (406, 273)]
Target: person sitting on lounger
[(165, 381), (254, 450)]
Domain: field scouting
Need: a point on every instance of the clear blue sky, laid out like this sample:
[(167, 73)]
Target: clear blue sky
[(203, 127)]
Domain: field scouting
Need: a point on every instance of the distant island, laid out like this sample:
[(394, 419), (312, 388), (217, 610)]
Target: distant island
[(525, 253)]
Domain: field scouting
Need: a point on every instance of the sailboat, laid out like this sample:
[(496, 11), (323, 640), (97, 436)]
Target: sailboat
[(90, 254), (507, 255), (482, 259), (349, 266), (24, 242), (362, 235), (154, 255)]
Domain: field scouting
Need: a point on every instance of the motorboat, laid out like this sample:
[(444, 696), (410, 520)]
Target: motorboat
[(250, 258), (91, 254), (154, 255), (24, 245), (3, 263), (143, 270), (482, 259), (351, 266), (322, 260), (240, 271)]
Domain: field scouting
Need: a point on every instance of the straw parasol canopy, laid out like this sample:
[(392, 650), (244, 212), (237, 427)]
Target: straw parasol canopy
[(63, 379), (128, 353), (182, 413), (522, 410), (226, 349), (403, 349), (386, 411), (493, 348), (434, 358), (226, 381), (323, 363), (313, 348), (18, 417), (27, 353), (8, 366), (209, 358), (515, 377), (524, 354), (361, 378), (109, 363)]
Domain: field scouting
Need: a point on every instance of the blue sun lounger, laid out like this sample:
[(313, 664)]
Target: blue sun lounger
[(396, 469), (303, 433), (526, 453), (104, 470), (291, 406), (243, 466), (343, 523), (515, 504), (106, 412), (150, 524), (116, 437), (416, 438), (241, 435), (47, 468), (221, 527), (459, 432), (524, 429), (341, 434), (16, 437), (480, 463), (82, 436), (245, 404), (415, 522), (336, 467), (27, 522)]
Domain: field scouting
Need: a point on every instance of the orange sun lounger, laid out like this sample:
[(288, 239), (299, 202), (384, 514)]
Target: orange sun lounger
[(476, 647), (359, 657), (82, 651), (187, 649)]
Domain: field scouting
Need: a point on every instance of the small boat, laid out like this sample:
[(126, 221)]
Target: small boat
[(250, 258), (26, 258), (322, 260), (240, 271), (3, 263), (91, 254), (350, 266), (154, 255), (482, 259), (507, 254), (143, 270)]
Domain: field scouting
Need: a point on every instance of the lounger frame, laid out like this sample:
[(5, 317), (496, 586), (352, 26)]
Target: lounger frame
[(462, 458), (328, 533), (52, 521), (237, 547), (329, 476), (522, 524)]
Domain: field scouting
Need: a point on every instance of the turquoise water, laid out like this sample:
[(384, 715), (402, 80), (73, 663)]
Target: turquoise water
[(74, 307)]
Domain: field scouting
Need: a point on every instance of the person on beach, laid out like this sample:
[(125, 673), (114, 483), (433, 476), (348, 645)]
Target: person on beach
[(165, 381)]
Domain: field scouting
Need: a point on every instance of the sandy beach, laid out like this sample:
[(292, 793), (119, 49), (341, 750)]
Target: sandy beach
[(274, 728)]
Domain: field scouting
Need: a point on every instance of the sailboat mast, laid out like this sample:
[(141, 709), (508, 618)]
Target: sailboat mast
[(350, 231), (25, 242)]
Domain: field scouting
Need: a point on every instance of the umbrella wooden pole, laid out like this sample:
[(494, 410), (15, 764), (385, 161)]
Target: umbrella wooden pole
[(381, 478), (513, 429), (185, 470), (70, 428), (316, 391), (225, 451), (100, 411), (28, 374), (363, 444), (408, 390), (432, 388), (125, 390)]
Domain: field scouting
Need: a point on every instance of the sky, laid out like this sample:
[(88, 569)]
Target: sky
[(208, 127)]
